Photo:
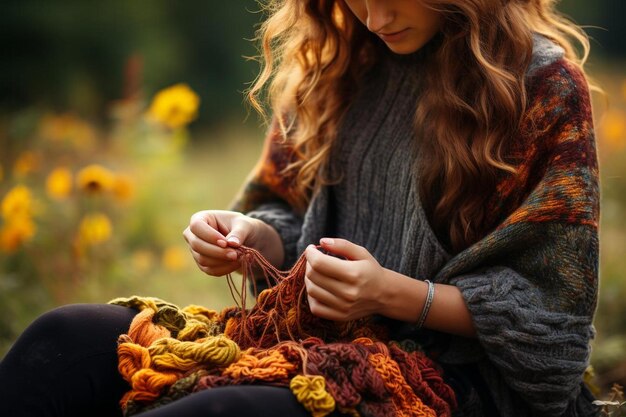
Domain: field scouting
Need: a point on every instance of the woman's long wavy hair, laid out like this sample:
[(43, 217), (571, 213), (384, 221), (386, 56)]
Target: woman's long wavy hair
[(315, 53)]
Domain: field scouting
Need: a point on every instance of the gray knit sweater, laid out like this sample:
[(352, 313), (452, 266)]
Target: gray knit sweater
[(529, 354)]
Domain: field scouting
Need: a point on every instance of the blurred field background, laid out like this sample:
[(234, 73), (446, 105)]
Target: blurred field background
[(103, 158)]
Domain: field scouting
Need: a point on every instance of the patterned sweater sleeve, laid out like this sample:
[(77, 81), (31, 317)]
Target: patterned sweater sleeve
[(268, 193), (531, 283)]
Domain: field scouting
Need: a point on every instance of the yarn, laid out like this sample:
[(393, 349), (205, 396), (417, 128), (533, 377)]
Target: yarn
[(181, 388), (131, 357), (268, 366), (175, 354), (406, 402), (347, 366), (147, 384), (311, 393), (143, 331), (427, 383)]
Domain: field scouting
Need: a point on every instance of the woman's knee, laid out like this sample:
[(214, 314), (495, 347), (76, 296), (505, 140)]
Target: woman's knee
[(69, 331), (66, 360), (82, 319)]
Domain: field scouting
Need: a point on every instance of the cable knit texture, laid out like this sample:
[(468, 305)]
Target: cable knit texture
[(530, 283)]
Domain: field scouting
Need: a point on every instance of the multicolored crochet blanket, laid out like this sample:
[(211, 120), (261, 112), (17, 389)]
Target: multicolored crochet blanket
[(170, 352)]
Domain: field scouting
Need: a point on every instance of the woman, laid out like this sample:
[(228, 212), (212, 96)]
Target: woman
[(441, 153)]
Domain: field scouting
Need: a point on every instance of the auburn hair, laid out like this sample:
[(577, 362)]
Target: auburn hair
[(315, 53)]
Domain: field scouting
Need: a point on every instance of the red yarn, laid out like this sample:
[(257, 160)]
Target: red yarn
[(282, 313)]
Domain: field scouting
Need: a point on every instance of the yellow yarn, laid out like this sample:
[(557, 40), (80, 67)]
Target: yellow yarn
[(174, 354), (311, 393), (197, 329), (190, 323), (170, 317), (139, 303), (201, 313)]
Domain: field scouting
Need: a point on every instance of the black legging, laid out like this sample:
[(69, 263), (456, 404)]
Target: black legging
[(65, 364)]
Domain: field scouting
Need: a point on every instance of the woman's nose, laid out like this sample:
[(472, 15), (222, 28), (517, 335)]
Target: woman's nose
[(379, 15)]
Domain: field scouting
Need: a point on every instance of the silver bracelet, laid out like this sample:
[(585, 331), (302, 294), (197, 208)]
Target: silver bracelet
[(427, 304)]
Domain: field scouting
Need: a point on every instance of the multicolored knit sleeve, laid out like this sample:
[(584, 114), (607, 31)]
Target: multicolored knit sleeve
[(531, 284), (269, 194)]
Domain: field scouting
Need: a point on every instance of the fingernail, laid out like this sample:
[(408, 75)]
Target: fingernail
[(327, 241), (222, 243), (234, 239), (232, 255)]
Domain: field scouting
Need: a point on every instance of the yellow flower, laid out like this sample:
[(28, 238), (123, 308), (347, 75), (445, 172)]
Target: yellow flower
[(94, 229), (175, 258), (17, 208), (59, 183), (175, 106), (95, 179), (18, 202), (26, 163), (613, 129), (15, 233), (123, 187), (142, 260)]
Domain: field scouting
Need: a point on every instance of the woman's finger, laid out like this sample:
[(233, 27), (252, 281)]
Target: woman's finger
[(330, 285), (202, 229), (209, 261), (329, 265), (240, 232), (321, 310), (219, 272), (214, 266), (345, 249), (209, 250), (324, 295)]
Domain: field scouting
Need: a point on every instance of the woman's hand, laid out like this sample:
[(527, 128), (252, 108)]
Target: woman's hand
[(341, 289), (349, 289), (213, 236)]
